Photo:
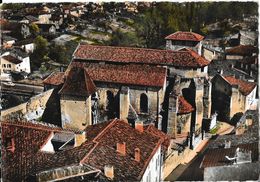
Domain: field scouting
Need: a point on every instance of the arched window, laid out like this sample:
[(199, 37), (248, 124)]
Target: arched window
[(144, 103)]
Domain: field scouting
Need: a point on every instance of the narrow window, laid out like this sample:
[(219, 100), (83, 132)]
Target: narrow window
[(110, 104), (144, 103), (9, 144)]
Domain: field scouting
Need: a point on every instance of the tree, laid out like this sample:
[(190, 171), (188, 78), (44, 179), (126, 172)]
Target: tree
[(41, 51), (34, 29), (58, 53), (120, 38)]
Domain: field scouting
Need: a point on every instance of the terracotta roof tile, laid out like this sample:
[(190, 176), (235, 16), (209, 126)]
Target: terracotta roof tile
[(78, 83), (243, 50), (244, 87), (56, 78), (98, 150), (216, 157), (164, 137), (144, 75), (125, 167), (184, 106), (12, 59), (190, 36), (93, 53)]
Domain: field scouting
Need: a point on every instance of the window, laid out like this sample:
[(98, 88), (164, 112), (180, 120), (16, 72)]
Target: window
[(110, 105), (9, 144), (4, 66), (8, 65), (143, 103)]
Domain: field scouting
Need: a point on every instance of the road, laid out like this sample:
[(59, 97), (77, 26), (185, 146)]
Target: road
[(20, 88)]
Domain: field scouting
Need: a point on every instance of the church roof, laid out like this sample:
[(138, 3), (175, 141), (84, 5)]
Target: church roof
[(78, 83), (188, 36)]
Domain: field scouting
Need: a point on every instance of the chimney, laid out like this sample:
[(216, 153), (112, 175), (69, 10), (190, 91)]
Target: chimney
[(139, 126), (80, 138), (121, 148), (227, 144), (137, 154), (109, 171), (251, 73)]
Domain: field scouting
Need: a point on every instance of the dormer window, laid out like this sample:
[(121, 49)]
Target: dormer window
[(9, 144)]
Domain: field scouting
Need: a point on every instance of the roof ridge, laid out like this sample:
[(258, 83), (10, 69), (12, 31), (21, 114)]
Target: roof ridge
[(37, 125)]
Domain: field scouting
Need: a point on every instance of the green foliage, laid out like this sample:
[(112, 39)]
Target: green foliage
[(164, 18), (42, 69), (58, 53), (120, 38), (40, 53), (12, 6), (34, 29)]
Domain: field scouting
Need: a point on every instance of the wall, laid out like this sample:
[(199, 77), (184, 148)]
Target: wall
[(233, 57), (153, 172), (75, 112), (220, 98), (33, 109), (185, 119), (176, 159), (208, 54), (237, 103), (155, 99), (251, 101), (240, 172)]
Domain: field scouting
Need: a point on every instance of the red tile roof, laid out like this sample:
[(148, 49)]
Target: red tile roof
[(78, 83), (143, 75), (164, 137), (125, 167), (243, 50), (27, 158), (56, 78), (93, 53), (12, 59), (216, 157), (189, 36), (98, 150), (184, 106), (244, 87)]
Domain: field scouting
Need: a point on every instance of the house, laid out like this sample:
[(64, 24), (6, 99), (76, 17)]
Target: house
[(27, 45), (231, 95), (179, 40), (232, 163), (28, 19), (234, 156), (240, 52), (57, 20), (212, 53), (17, 30), (7, 41), (109, 151), (47, 28), (248, 37), (15, 60)]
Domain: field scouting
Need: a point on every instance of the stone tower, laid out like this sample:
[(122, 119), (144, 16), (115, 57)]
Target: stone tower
[(75, 99)]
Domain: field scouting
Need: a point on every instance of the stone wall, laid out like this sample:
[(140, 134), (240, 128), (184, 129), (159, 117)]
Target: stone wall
[(31, 110), (75, 112), (240, 172)]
